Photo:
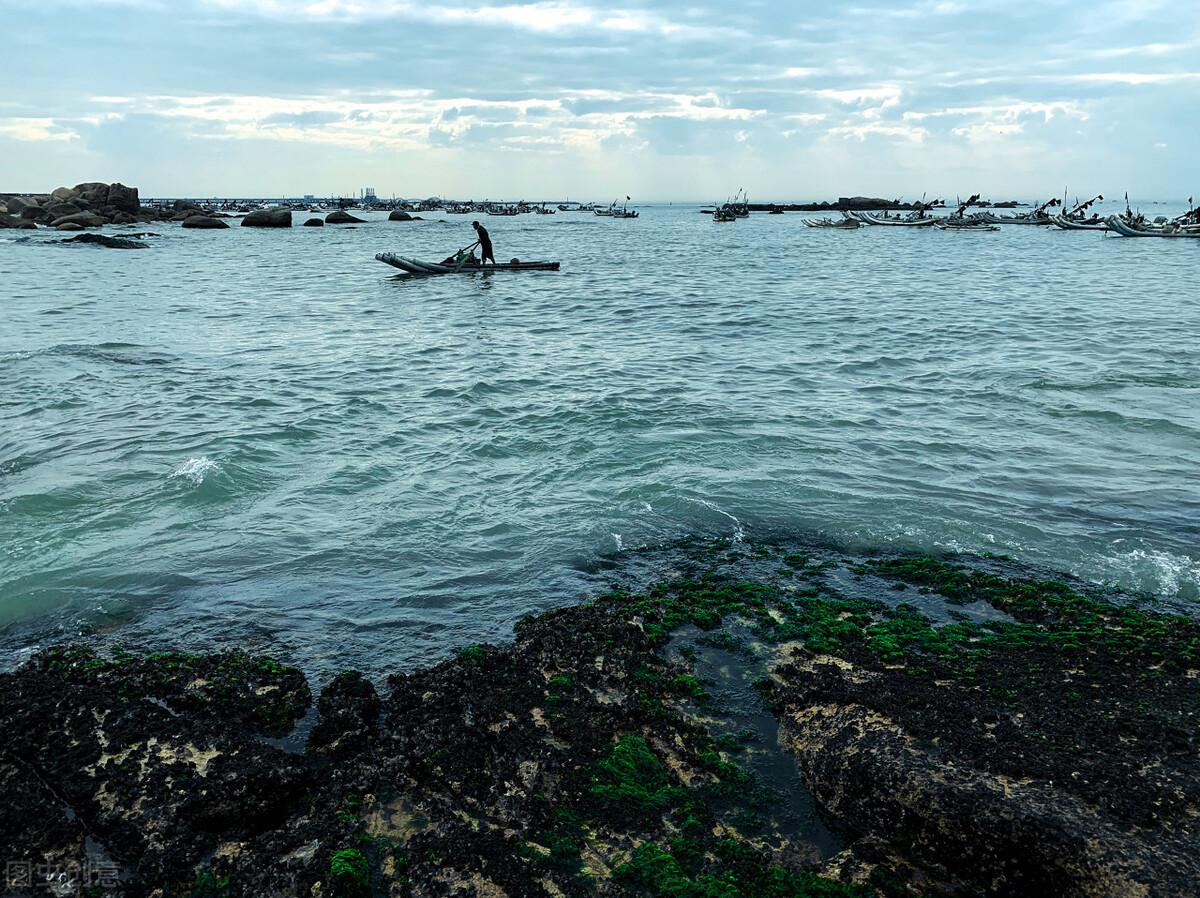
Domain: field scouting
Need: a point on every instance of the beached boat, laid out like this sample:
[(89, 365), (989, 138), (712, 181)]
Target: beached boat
[(417, 266)]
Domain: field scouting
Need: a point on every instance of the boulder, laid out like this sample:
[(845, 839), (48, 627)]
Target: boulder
[(64, 194), (204, 222), (184, 205), (123, 199), (124, 218), (86, 219), (17, 224), (314, 223), (340, 216), (33, 213), (399, 215), (17, 203), (94, 193), (275, 217), (59, 209), (69, 226)]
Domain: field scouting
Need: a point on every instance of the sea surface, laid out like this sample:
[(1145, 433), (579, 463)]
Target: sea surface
[(267, 438)]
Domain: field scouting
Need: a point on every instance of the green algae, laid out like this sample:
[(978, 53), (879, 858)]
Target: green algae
[(632, 781), (349, 873), (734, 871)]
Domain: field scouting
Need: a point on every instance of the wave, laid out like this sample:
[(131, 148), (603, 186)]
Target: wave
[(196, 469)]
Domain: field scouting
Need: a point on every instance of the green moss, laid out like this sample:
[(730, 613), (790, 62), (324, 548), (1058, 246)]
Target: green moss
[(349, 873), (632, 781), (734, 871), (209, 885), (474, 652)]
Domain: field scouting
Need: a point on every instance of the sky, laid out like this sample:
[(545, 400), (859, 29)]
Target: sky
[(586, 99)]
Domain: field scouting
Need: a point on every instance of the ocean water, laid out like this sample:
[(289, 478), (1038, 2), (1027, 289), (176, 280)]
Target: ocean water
[(267, 438)]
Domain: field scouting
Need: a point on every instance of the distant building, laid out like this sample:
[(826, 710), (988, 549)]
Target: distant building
[(368, 195), (308, 197)]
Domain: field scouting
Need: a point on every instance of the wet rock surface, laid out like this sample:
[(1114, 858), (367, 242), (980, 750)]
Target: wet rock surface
[(1048, 747)]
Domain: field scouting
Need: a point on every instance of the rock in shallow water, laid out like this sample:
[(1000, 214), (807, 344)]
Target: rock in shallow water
[(277, 217), (339, 216), (205, 222)]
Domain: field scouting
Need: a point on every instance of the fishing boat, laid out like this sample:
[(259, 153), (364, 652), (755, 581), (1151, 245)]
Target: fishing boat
[(613, 212), (469, 266), (915, 220), (1038, 216), (1170, 229), (723, 214), (846, 224), (958, 220)]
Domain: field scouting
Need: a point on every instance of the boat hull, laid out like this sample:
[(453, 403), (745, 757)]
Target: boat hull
[(1116, 224), (416, 266), (1066, 224)]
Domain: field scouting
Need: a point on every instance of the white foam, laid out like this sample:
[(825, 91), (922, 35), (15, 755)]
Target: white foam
[(196, 469), (619, 542), (739, 532), (1157, 571)]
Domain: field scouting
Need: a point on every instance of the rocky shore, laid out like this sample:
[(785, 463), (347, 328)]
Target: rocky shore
[(960, 726)]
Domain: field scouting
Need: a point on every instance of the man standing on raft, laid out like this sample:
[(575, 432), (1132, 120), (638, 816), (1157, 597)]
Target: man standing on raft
[(485, 244)]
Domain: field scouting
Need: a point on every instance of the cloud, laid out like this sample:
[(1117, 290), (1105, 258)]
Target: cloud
[(679, 92), (36, 130)]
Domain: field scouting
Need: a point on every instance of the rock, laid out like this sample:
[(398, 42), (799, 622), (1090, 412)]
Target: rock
[(124, 218), (16, 224), (340, 216), (204, 222), (185, 205), (64, 194), (94, 193), (69, 226), (33, 213), (314, 223), (872, 776), (86, 219), (400, 215), (349, 713), (110, 242), (17, 203), (58, 210), (275, 217), (123, 199)]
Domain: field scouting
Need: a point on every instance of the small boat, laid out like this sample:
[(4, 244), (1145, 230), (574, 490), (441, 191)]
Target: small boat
[(847, 223), (964, 224), (1096, 223), (416, 266), (915, 220), (1168, 229), (613, 212), (724, 214), (1038, 216)]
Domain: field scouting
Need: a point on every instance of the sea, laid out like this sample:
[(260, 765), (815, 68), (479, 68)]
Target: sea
[(268, 439)]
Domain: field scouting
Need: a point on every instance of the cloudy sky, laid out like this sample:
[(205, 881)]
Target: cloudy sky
[(685, 99)]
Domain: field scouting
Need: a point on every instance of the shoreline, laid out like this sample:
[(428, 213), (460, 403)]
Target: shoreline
[(959, 726)]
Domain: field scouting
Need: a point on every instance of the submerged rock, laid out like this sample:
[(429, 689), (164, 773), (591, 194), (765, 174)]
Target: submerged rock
[(105, 240), (314, 223)]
